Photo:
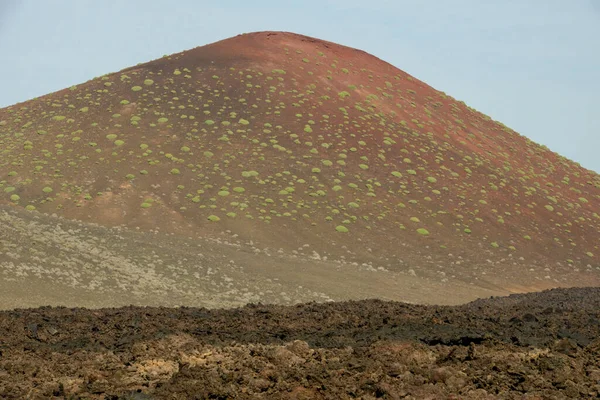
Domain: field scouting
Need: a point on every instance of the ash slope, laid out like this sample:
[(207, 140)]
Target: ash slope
[(537, 345), (49, 260), (291, 142)]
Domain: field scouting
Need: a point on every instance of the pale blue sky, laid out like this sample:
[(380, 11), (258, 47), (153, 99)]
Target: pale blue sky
[(531, 64)]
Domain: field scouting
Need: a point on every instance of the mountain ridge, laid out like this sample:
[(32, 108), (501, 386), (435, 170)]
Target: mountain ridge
[(287, 141)]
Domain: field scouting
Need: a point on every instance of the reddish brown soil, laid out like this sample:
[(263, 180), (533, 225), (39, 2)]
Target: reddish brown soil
[(534, 346), (337, 138)]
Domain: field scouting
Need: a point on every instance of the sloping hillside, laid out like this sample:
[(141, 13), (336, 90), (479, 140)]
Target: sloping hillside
[(293, 143)]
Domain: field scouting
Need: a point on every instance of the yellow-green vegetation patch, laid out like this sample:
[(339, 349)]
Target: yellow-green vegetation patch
[(175, 171), (423, 231), (148, 82), (549, 207), (15, 198), (213, 218), (162, 120), (431, 179), (239, 189), (136, 88), (47, 189), (397, 174), (341, 228)]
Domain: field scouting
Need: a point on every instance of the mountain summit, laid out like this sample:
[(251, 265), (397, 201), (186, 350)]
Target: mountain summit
[(301, 146)]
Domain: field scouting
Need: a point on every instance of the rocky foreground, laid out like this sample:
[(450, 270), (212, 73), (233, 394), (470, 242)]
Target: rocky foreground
[(536, 346)]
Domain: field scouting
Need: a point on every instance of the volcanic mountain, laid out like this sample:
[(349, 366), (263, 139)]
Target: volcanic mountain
[(274, 144)]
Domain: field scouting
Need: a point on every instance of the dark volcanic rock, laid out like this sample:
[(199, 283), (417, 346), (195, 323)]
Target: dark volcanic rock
[(540, 344)]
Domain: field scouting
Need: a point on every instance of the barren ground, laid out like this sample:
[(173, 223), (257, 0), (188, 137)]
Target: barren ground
[(534, 346), (49, 260)]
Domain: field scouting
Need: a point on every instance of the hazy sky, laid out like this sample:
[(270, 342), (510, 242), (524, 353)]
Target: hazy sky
[(531, 64)]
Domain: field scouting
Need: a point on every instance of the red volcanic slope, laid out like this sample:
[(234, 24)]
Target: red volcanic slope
[(289, 140)]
